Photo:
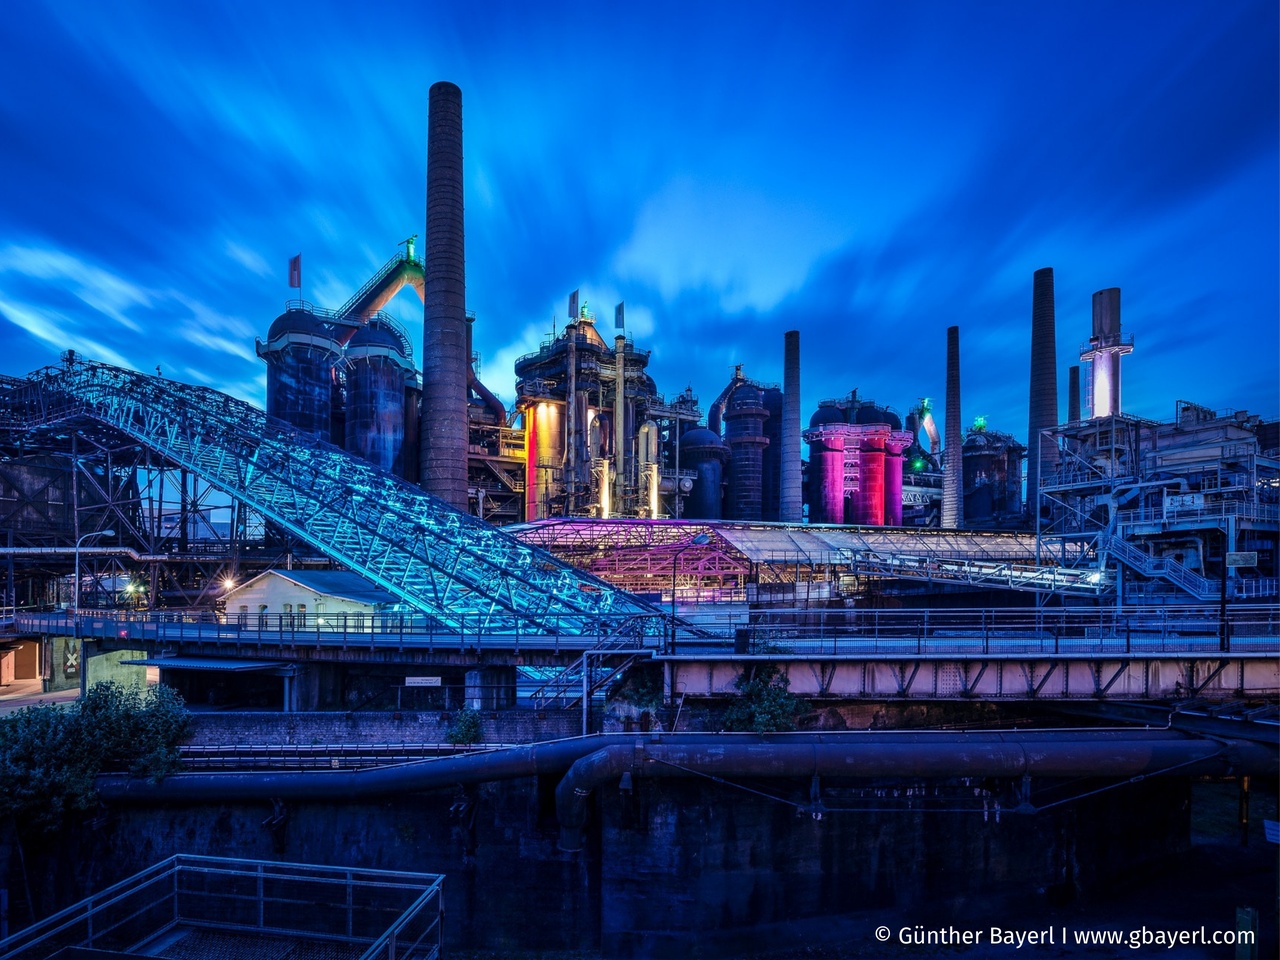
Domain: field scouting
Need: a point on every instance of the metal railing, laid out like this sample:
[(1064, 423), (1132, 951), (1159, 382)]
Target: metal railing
[(357, 913), (379, 630), (1240, 509), (1060, 630)]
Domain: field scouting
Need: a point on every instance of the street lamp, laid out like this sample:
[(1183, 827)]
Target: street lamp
[(75, 612), (99, 533), (700, 540)]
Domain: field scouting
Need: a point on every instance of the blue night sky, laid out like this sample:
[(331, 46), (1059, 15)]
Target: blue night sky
[(868, 174)]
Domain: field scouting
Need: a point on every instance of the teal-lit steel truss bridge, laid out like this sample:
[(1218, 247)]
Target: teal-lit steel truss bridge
[(435, 559)]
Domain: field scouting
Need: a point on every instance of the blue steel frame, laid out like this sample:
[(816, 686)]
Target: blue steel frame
[(439, 561)]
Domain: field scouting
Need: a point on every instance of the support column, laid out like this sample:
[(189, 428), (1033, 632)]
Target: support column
[(953, 457)]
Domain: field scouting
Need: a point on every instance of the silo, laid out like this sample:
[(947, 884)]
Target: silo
[(702, 451), (300, 353), (744, 432), (826, 467), (376, 369), (771, 476)]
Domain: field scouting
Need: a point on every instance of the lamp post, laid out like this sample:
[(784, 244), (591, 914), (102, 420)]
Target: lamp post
[(700, 540), (75, 611)]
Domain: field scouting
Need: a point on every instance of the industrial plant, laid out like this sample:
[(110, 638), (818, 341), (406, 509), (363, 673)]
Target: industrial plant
[(1005, 659)]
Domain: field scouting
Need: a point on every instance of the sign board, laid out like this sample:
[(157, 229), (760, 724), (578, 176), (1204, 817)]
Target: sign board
[(422, 681), (1243, 559), (1272, 830), (1184, 501)]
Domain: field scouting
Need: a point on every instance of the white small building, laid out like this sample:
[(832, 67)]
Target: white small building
[(316, 598)]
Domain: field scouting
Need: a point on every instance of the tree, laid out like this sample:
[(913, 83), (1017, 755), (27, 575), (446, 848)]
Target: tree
[(465, 728), (50, 755), (765, 703)]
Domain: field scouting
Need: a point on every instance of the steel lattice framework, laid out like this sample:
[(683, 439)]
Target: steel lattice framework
[(447, 564)]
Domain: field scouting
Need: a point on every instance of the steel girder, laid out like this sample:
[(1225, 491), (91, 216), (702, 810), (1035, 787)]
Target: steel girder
[(436, 559)]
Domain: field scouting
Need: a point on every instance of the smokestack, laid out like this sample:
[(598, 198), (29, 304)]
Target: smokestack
[(443, 424), (1044, 385), (1073, 394), (791, 506), (1106, 347), (952, 499)]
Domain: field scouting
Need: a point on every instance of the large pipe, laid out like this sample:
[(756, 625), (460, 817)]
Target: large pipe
[(1042, 453), (952, 477), (445, 365), (1073, 394), (619, 419), (853, 753), (791, 501), (571, 412), (982, 755), (484, 393)]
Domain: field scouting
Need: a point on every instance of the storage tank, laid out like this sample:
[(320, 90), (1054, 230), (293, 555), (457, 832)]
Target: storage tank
[(300, 352), (702, 452), (377, 367), (744, 433), (826, 468)]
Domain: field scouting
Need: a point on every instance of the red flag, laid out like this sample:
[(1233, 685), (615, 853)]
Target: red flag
[(295, 271)]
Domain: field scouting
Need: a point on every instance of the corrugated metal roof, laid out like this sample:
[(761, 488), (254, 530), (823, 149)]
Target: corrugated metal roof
[(332, 583), (820, 544), (210, 663)]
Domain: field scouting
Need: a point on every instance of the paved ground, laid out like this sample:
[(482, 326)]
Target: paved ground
[(24, 693)]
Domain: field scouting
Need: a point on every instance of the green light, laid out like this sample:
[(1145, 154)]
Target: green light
[(917, 464), (979, 423)]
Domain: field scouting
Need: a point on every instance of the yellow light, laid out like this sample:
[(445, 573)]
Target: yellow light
[(228, 583)]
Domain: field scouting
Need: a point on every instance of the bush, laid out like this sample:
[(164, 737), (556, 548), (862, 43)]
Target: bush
[(50, 755), (765, 703), (640, 685), (465, 728)]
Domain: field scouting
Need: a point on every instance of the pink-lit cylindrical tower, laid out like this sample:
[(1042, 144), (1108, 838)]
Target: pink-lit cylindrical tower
[(893, 448), (871, 482), (826, 477)]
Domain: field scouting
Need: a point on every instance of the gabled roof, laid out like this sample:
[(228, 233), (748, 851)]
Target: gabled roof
[(341, 584)]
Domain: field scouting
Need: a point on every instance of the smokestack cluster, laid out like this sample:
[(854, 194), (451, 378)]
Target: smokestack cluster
[(443, 424), (952, 494), (791, 503), (1042, 453), (1107, 347)]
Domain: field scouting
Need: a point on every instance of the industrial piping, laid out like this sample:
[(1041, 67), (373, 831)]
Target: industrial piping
[(791, 501), (591, 761), (952, 475), (445, 365), (1042, 453)]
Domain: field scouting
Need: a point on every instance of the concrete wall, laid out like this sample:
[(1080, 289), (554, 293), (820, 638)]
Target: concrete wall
[(505, 726), (671, 868)]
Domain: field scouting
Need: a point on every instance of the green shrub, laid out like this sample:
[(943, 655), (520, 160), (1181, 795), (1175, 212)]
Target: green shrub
[(465, 728), (640, 685), (765, 703), (50, 755)]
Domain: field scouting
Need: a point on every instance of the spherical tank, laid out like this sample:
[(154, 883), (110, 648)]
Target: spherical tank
[(744, 432), (300, 353), (705, 455), (376, 371)]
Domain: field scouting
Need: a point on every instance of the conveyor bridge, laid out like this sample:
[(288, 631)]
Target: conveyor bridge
[(435, 559)]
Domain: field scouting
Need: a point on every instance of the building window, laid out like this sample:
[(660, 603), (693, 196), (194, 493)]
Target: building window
[(262, 616)]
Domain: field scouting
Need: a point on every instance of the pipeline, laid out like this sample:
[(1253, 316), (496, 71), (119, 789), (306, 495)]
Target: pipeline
[(585, 763)]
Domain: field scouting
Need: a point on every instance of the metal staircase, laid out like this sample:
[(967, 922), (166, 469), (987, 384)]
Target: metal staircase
[(1162, 568), (436, 559), (565, 689)]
